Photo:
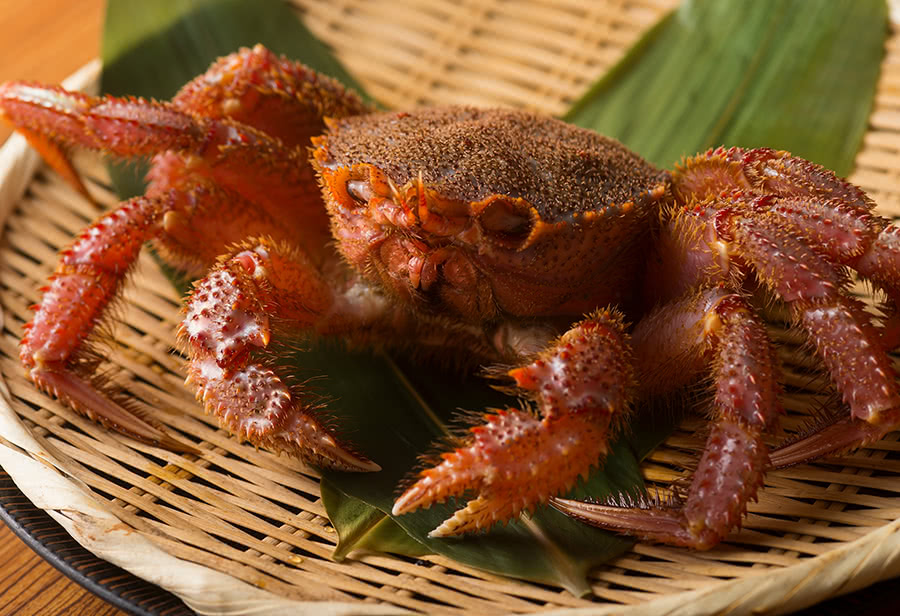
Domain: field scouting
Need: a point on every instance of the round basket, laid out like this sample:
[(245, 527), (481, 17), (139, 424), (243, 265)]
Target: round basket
[(237, 530)]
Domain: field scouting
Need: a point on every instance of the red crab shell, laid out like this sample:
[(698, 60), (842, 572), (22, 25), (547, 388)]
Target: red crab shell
[(488, 214)]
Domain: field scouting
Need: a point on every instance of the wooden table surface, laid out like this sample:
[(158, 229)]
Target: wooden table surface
[(44, 40)]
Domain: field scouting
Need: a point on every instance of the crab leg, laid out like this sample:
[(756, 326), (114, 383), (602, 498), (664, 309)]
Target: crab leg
[(88, 276), (850, 235), (242, 125), (768, 210), (859, 368), (830, 213), (745, 408), (227, 152), (226, 326), (515, 460), (259, 168), (250, 88), (838, 327), (213, 154)]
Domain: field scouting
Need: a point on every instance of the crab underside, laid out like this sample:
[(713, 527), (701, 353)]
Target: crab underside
[(585, 279)]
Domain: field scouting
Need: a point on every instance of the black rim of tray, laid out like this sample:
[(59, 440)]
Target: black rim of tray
[(52, 543)]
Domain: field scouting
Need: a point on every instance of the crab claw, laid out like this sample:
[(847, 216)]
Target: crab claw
[(226, 325), (516, 460)]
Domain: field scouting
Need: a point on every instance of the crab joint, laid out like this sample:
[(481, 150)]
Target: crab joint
[(712, 324), (251, 261), (725, 305), (723, 254)]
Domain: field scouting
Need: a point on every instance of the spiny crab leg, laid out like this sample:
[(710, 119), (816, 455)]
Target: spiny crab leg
[(234, 155), (763, 234), (779, 207), (227, 319), (765, 211), (828, 212), (515, 460), (88, 275), (209, 118), (852, 236), (836, 324), (210, 156), (119, 126), (745, 408), (278, 96)]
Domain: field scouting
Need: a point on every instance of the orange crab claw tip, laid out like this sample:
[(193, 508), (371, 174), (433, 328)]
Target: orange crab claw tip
[(523, 377), (441, 531), (360, 464), (410, 500), (478, 514)]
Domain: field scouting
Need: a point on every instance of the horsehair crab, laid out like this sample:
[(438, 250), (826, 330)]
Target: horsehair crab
[(484, 233)]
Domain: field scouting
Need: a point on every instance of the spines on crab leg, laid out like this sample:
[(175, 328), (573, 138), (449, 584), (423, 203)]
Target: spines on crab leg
[(812, 288), (839, 329), (227, 319), (244, 125), (249, 88), (861, 371), (762, 171), (788, 239), (515, 460), (121, 126), (880, 263), (87, 278), (745, 408), (849, 235), (280, 97), (236, 156), (830, 213)]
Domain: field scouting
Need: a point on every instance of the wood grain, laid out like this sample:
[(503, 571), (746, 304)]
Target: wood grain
[(31, 586), (44, 40)]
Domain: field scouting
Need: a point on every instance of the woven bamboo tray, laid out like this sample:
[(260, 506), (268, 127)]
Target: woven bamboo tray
[(238, 530)]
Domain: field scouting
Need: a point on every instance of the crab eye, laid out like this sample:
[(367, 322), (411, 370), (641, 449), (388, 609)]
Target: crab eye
[(360, 191), (506, 222)]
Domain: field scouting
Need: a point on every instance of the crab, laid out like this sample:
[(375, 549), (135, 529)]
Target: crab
[(587, 278)]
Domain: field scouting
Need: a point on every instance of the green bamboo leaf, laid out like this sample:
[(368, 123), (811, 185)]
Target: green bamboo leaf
[(797, 75), (395, 411), (548, 548), (363, 527)]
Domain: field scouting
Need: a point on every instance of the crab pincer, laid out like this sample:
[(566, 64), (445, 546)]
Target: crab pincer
[(227, 319), (515, 460)]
